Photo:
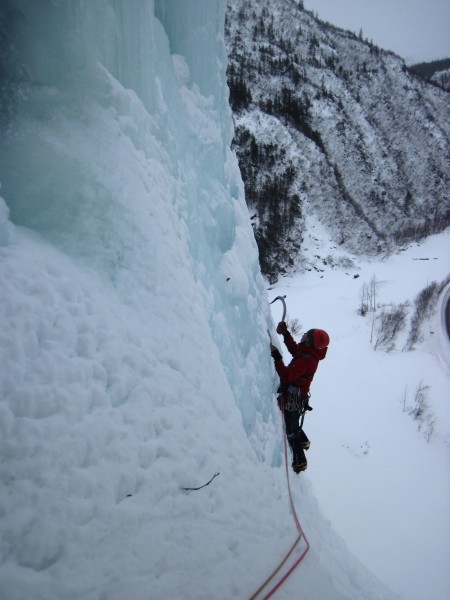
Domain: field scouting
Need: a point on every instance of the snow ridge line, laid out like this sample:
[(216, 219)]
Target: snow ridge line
[(301, 535)]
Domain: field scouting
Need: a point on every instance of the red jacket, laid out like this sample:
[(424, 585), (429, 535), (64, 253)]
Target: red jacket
[(300, 371)]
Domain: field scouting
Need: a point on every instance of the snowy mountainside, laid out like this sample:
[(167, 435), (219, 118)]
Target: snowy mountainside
[(436, 71), (331, 125), (133, 322), (443, 79)]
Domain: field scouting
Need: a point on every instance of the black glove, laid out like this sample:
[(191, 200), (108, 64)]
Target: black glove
[(276, 354), (282, 328)]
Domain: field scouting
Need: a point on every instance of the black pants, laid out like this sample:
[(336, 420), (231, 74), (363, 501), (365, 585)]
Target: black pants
[(297, 438), (293, 429)]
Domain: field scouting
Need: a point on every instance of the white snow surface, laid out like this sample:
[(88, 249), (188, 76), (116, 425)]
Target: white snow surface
[(133, 345), (384, 488)]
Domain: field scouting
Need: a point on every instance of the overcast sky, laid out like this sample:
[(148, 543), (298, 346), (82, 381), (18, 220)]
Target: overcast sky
[(417, 30)]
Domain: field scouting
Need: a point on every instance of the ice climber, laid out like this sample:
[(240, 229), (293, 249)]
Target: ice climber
[(295, 381)]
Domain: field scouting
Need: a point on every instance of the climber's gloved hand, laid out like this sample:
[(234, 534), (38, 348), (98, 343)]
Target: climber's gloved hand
[(276, 355), (282, 328)]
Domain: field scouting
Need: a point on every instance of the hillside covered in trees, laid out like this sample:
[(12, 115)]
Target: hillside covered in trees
[(330, 127)]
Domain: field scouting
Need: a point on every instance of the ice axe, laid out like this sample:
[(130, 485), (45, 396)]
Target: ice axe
[(282, 298)]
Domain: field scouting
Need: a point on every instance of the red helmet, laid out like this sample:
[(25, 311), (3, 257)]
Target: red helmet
[(318, 338)]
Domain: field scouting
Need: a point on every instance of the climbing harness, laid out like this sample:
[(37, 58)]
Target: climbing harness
[(305, 406)]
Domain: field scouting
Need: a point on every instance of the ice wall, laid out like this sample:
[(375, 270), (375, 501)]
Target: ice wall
[(116, 151), (133, 314)]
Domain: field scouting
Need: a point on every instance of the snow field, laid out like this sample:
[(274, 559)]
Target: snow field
[(384, 488)]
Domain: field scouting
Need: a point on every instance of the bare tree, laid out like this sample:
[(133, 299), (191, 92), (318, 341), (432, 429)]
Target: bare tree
[(389, 323), (368, 297), (421, 412), (373, 302)]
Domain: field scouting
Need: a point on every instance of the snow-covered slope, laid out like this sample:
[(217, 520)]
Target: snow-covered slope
[(329, 124), (380, 428), (443, 79)]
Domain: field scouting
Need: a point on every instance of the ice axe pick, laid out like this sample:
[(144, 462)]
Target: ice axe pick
[(282, 298)]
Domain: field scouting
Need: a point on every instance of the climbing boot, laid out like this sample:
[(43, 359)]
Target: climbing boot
[(299, 462), (299, 466)]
